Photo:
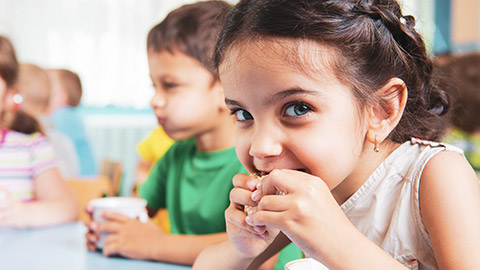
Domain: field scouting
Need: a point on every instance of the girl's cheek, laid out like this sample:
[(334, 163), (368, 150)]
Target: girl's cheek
[(242, 150)]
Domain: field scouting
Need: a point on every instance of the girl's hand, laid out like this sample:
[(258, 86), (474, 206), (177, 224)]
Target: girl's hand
[(128, 237), (307, 213), (248, 240), (12, 212)]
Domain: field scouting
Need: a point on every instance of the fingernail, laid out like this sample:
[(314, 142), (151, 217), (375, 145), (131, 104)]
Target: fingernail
[(93, 226), (259, 184), (248, 220), (251, 211), (258, 230), (251, 184), (256, 195)]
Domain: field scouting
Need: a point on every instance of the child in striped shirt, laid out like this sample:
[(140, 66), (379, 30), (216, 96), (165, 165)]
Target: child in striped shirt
[(32, 192)]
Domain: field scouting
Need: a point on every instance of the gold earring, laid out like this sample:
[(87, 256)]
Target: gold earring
[(375, 148)]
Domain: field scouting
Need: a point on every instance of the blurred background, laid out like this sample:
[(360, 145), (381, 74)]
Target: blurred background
[(104, 41)]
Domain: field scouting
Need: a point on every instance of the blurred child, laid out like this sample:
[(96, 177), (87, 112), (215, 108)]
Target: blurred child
[(462, 73), (66, 96), (32, 192), (330, 99), (34, 86), (193, 179)]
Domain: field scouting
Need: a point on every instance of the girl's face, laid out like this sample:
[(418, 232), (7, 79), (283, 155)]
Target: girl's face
[(291, 115), (184, 102)]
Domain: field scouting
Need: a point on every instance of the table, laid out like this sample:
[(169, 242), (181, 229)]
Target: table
[(62, 247)]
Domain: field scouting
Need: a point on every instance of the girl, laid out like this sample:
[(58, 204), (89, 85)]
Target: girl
[(329, 97), (32, 192)]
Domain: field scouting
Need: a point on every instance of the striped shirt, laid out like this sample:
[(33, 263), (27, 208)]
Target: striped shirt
[(22, 158)]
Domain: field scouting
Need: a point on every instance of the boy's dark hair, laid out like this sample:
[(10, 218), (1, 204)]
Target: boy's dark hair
[(461, 75), (373, 41), (191, 29)]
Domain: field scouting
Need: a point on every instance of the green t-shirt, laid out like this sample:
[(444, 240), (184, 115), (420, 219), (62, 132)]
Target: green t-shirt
[(194, 187)]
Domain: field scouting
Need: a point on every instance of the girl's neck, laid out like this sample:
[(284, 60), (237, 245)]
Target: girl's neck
[(368, 163), (219, 137)]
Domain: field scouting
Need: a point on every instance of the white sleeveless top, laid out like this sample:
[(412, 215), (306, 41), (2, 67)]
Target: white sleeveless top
[(386, 207)]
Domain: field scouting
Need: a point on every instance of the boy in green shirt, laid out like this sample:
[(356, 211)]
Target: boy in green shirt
[(194, 178)]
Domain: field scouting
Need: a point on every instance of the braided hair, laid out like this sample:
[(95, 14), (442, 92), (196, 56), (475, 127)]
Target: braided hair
[(374, 40)]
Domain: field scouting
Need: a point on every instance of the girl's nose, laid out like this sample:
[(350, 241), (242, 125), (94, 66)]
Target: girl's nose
[(265, 144)]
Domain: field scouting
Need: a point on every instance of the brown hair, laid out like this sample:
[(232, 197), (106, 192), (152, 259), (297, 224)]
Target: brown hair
[(70, 82), (374, 40), (8, 62), (462, 81), (34, 85), (191, 29), (14, 120)]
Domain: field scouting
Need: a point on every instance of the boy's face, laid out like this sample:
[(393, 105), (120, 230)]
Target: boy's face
[(184, 101), (58, 97), (290, 117)]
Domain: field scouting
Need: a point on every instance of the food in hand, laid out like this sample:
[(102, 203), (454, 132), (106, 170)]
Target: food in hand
[(259, 178)]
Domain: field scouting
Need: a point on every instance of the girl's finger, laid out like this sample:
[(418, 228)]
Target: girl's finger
[(244, 181), (266, 218), (236, 218), (284, 181), (241, 196), (275, 203)]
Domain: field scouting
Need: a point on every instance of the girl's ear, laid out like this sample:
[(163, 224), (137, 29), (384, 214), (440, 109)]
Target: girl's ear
[(384, 116), (11, 104)]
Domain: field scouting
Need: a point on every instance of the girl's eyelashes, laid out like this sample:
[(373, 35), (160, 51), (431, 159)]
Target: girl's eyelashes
[(297, 109), (241, 115)]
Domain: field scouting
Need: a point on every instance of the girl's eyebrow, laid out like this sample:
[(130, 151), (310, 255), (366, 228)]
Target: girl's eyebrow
[(290, 92), (232, 103), (279, 96)]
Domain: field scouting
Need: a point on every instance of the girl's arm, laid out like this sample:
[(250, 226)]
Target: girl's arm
[(54, 203), (450, 209), (221, 256), (225, 256)]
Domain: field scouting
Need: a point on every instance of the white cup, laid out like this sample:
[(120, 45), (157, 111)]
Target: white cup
[(128, 206), (305, 264)]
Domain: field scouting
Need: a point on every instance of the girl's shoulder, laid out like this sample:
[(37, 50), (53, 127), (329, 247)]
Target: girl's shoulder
[(18, 139)]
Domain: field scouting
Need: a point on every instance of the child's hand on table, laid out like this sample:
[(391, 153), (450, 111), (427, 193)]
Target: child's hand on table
[(12, 212), (127, 237)]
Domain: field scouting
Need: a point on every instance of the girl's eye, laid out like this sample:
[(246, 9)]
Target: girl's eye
[(242, 115), (297, 109)]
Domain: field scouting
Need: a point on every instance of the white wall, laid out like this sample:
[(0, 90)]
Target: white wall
[(102, 40)]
